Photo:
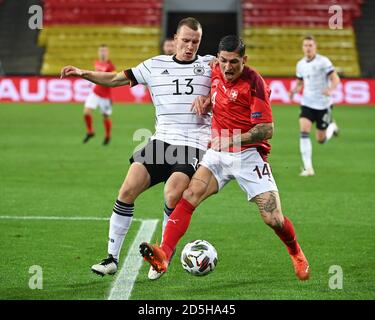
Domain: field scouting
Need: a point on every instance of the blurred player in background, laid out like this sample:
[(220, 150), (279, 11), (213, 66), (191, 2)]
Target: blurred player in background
[(318, 78), (181, 136), (241, 126), (169, 46), (100, 97)]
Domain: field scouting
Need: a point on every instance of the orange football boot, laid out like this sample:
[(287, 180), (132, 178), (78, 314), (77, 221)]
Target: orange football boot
[(154, 255), (301, 265)]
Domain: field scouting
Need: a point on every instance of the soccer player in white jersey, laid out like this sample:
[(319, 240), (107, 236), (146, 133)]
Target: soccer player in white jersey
[(181, 136), (318, 78)]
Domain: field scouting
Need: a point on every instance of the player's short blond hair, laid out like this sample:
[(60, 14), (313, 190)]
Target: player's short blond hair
[(309, 37), (190, 22)]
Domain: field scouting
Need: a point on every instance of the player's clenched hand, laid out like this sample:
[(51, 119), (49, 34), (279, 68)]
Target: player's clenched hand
[(201, 105), (70, 71)]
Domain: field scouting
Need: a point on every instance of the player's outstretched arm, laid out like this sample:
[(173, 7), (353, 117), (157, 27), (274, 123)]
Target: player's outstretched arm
[(108, 79)]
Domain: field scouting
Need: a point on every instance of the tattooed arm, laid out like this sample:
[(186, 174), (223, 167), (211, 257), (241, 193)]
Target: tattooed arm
[(262, 131)]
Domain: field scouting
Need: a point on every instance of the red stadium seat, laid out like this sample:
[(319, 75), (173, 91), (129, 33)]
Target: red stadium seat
[(140, 12), (122, 24), (295, 12), (273, 27)]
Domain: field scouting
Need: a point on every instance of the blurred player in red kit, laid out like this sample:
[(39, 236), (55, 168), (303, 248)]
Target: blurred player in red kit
[(241, 126), (100, 97)]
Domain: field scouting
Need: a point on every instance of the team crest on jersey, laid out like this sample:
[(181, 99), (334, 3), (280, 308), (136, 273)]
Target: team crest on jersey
[(233, 94), (198, 70), (215, 83)]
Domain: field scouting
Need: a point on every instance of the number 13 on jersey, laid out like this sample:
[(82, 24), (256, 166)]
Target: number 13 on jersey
[(189, 88)]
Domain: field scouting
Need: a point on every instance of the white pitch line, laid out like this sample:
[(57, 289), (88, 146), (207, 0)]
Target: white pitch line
[(123, 285), (57, 218)]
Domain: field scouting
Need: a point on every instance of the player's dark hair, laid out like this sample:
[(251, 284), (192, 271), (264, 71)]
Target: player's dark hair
[(232, 43), (190, 22), (103, 46), (309, 37)]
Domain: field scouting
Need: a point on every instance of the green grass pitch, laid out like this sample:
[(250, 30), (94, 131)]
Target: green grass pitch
[(45, 170)]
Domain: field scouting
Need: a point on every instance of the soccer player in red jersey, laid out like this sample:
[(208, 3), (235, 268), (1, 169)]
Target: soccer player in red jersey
[(241, 126), (100, 97)]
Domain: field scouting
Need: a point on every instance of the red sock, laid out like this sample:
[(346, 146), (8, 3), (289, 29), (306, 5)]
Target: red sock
[(288, 236), (107, 127), (88, 121), (177, 225)]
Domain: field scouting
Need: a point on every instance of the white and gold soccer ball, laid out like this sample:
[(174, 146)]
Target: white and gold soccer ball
[(199, 257)]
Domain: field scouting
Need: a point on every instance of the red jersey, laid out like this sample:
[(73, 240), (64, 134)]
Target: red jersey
[(105, 66), (238, 106)]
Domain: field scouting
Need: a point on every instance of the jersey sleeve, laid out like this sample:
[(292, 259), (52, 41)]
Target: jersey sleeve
[(261, 111), (207, 58), (141, 74), (328, 66), (299, 72)]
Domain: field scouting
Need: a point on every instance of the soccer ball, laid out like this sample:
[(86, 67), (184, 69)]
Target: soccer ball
[(199, 257)]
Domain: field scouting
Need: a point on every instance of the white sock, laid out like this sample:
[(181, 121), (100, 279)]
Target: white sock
[(119, 225), (167, 213), (332, 127), (306, 150)]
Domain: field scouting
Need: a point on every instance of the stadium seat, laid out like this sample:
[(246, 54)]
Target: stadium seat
[(266, 47), (74, 29), (141, 12), (273, 28), (78, 45)]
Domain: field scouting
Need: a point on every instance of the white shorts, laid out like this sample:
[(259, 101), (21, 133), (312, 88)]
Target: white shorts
[(93, 101), (252, 173)]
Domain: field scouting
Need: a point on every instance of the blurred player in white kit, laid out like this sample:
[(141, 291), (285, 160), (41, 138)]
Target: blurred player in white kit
[(318, 78)]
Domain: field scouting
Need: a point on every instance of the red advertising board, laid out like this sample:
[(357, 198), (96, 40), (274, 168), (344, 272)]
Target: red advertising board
[(348, 92), (49, 89)]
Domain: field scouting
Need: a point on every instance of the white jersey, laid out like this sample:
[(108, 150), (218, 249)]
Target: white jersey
[(314, 74), (173, 86)]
